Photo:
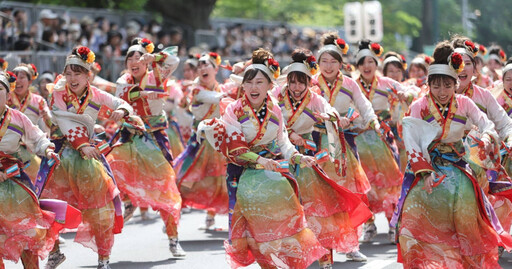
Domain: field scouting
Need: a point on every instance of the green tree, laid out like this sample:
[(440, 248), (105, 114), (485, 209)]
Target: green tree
[(109, 4)]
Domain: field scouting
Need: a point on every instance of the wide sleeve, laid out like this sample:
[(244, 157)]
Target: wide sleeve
[(498, 116), (112, 101), (485, 126), (207, 97), (33, 137), (363, 105)]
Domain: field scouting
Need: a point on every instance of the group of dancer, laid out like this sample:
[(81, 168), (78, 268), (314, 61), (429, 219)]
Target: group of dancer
[(301, 158)]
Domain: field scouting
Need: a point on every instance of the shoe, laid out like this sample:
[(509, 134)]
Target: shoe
[(356, 256), (103, 265), (129, 209), (500, 251), (392, 236), (210, 221), (175, 248), (61, 240), (54, 260), (370, 231)]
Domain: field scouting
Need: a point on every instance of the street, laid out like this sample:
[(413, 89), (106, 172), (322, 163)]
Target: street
[(143, 245)]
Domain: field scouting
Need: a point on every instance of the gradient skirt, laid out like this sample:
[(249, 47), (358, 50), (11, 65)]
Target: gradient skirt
[(268, 224)]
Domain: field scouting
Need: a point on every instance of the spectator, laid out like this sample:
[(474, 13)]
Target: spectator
[(47, 21)]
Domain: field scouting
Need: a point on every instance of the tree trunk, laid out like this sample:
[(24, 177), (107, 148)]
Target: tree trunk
[(427, 20), (194, 13)]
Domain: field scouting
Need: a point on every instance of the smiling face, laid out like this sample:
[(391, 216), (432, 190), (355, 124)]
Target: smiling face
[(136, 68), (367, 68), (467, 72), (329, 66), (22, 83), (297, 85), (189, 72), (206, 72), (507, 82), (76, 78), (443, 88), (394, 72), (416, 71), (256, 88)]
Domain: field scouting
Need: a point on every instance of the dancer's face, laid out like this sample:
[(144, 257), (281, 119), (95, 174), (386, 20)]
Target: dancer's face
[(443, 89), (256, 89)]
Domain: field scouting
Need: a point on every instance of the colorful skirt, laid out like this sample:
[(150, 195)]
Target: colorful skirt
[(33, 160), (445, 229), (355, 179), (202, 177), (23, 224), (382, 171), (268, 224), (143, 173), (86, 185), (326, 213), (175, 139)]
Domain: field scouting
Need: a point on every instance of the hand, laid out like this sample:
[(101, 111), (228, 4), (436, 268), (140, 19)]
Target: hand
[(428, 182), (307, 161), (322, 116), (268, 164), (50, 154), (343, 122), (3, 177), (149, 95), (402, 96), (98, 128), (376, 127), (117, 115), (147, 58), (296, 139), (90, 152)]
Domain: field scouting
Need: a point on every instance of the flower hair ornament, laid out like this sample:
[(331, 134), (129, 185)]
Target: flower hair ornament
[(213, 57), (501, 57), (374, 50), (456, 62), (453, 68), (10, 80), (4, 64), (482, 50), (29, 69), (143, 46), (339, 46), (470, 46), (35, 74), (308, 67), (273, 66), (82, 56)]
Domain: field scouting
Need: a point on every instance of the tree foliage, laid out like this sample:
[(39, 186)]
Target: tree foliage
[(108, 4)]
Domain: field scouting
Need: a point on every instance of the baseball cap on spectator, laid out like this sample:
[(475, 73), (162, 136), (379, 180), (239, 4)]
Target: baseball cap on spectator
[(47, 14)]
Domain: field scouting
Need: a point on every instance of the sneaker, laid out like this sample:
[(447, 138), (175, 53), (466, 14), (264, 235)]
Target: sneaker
[(103, 265), (370, 231), (175, 248), (54, 260), (356, 256), (392, 236), (500, 251), (210, 221), (129, 209)]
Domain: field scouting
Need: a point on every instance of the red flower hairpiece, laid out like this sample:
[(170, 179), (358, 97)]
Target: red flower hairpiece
[(470, 46), (342, 45), (98, 66), (482, 50), (12, 77), (404, 62), (503, 56), (273, 65), (311, 65), (86, 54), (377, 49), (3, 64), (216, 57), (147, 45), (35, 71), (456, 62), (429, 60)]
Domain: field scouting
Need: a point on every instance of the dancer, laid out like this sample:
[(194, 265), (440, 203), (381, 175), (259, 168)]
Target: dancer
[(444, 219), (326, 204), (141, 160), (268, 224), (343, 93), (84, 179)]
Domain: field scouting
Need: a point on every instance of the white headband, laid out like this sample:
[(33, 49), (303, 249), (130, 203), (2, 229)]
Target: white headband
[(78, 61), (5, 81), (194, 62), (330, 47), (24, 69), (495, 57), (207, 57), (464, 51), (296, 67), (442, 69), (263, 68), (364, 53), (136, 47), (392, 59), (47, 76), (507, 68)]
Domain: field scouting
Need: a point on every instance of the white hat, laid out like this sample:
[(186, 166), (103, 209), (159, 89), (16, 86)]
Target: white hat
[(47, 14)]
